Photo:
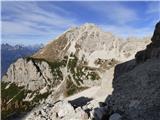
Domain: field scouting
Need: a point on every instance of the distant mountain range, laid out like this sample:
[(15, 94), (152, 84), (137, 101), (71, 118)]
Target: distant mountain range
[(10, 54)]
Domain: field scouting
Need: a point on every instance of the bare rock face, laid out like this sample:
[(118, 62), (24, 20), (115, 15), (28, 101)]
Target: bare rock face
[(89, 43), (30, 74), (136, 94), (153, 49)]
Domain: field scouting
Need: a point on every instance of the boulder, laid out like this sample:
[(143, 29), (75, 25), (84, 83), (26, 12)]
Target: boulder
[(61, 110)]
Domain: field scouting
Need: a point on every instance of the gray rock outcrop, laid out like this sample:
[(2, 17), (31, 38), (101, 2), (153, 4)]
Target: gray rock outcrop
[(30, 74), (153, 49), (136, 83)]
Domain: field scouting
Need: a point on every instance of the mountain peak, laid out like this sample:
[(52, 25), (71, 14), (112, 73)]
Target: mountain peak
[(84, 27), (90, 42), (89, 25)]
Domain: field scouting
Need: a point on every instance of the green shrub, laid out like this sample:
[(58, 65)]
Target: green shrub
[(39, 97), (15, 95), (72, 63), (93, 76), (72, 89)]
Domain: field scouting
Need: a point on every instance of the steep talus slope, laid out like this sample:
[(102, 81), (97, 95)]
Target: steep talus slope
[(53, 50), (128, 50), (136, 84), (75, 61), (88, 43)]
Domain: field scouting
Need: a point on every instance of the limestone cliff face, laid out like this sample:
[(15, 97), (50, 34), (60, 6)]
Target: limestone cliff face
[(29, 73), (136, 84)]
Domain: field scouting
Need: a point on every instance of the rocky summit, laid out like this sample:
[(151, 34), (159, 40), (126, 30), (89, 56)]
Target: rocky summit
[(88, 42), (68, 77)]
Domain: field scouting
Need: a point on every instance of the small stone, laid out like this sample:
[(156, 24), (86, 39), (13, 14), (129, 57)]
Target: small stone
[(115, 116)]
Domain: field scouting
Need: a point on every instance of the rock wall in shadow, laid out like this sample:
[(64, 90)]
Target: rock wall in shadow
[(136, 84), (153, 49)]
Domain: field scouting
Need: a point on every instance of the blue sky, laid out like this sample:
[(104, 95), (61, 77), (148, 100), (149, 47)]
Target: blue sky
[(39, 22)]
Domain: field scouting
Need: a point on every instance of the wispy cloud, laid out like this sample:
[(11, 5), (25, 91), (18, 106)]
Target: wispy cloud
[(114, 11), (154, 8), (126, 18), (128, 31), (28, 18), (45, 20)]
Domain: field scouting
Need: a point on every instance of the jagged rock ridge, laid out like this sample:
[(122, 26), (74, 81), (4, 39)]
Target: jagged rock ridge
[(88, 43), (153, 49), (136, 84)]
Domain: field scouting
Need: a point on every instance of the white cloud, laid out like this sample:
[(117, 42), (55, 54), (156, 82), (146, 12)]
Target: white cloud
[(115, 12), (30, 19), (129, 31), (154, 7)]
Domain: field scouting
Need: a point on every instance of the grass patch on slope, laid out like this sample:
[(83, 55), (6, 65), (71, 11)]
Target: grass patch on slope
[(12, 100), (72, 89)]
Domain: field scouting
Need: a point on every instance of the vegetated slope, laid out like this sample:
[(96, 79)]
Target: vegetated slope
[(75, 61)]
